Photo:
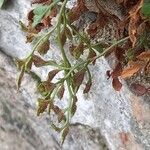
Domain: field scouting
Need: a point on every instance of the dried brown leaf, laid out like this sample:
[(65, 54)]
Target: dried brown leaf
[(78, 51), (76, 11), (43, 47), (42, 106), (130, 71), (63, 37), (134, 21), (74, 105), (117, 71), (117, 85), (52, 74), (144, 55), (30, 15), (59, 113), (138, 89), (119, 53), (39, 1), (92, 55), (87, 87), (78, 78), (64, 134), (61, 92), (49, 87), (38, 61)]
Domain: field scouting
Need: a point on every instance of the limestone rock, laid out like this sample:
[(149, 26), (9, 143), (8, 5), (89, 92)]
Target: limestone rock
[(105, 119)]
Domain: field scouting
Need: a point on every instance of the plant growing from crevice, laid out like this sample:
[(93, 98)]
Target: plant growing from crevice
[(41, 17)]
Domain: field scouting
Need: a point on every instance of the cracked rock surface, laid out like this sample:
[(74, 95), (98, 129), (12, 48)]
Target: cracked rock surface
[(105, 119)]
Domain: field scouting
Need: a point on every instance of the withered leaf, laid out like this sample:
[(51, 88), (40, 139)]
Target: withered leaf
[(144, 55), (53, 12), (92, 55), (134, 22), (116, 84), (52, 74), (61, 91), (46, 87), (119, 53), (63, 37), (49, 86), (43, 47), (117, 71), (78, 50), (38, 61), (29, 37), (71, 49), (20, 77), (42, 106), (130, 71), (39, 1), (74, 105), (87, 87), (59, 113), (78, 77), (30, 16), (76, 11), (64, 134), (92, 30), (68, 33), (138, 89), (46, 21)]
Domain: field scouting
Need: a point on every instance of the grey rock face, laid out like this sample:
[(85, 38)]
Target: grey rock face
[(105, 119)]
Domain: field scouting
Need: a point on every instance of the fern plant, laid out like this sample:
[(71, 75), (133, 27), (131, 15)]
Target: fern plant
[(65, 31)]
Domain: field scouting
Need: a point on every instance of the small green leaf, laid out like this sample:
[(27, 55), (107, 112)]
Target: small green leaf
[(39, 12), (35, 77), (1, 3), (98, 47), (146, 8), (130, 54)]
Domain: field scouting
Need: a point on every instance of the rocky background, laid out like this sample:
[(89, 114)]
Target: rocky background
[(105, 119)]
